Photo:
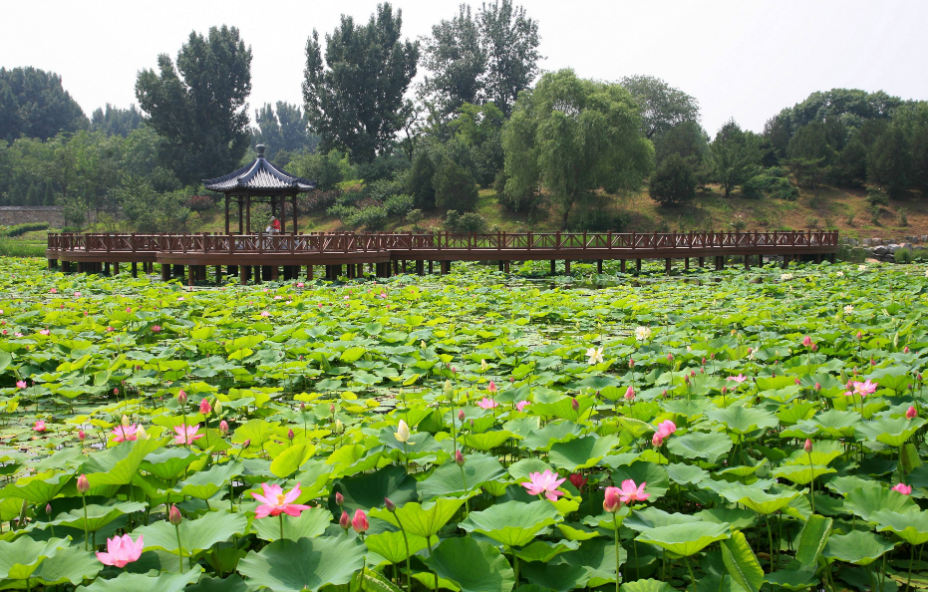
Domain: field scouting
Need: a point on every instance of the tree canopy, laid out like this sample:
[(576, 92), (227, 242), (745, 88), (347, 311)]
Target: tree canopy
[(199, 107), (116, 121), (34, 104), (572, 137), (661, 106), (354, 97), (284, 129)]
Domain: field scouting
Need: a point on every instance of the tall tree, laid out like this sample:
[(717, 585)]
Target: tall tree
[(354, 96), (660, 105), (34, 104), (572, 137), (200, 107), (889, 162), (116, 121), (736, 155), (284, 129), (488, 57)]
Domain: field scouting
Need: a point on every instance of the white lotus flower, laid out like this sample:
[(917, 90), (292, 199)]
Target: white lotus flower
[(643, 333), (786, 277), (840, 274), (848, 309), (861, 268), (595, 355), (402, 432)]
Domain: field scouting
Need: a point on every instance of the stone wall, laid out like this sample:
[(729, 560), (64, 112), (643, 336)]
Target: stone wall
[(881, 249), (10, 215)]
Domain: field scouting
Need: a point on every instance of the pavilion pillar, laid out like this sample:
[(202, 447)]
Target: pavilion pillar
[(248, 214), (106, 268), (241, 219), (747, 262), (227, 213), (191, 275), (404, 266), (165, 272), (686, 264), (431, 268), (500, 265), (360, 272), (296, 228), (242, 276), (309, 273), (506, 266)]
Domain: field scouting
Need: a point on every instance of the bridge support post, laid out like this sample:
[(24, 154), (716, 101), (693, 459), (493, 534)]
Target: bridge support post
[(499, 265), (832, 258), (818, 258), (567, 266), (165, 272), (506, 266), (309, 273), (135, 270), (219, 275), (702, 261), (553, 267), (404, 266), (747, 262), (668, 265), (420, 267), (191, 275), (637, 266), (106, 268), (242, 276), (622, 265), (599, 266), (431, 268), (116, 268), (446, 267), (785, 261), (686, 264), (66, 266), (275, 273)]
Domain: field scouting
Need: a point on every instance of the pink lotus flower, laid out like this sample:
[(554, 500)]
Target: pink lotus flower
[(521, 405), (45, 332), (492, 387), (20, 384), (903, 489), (359, 521), (577, 480), (546, 483), (300, 285), (224, 426), (487, 403), (121, 551), (77, 294), (657, 440), (123, 433), (81, 435), (265, 313), (807, 341), (612, 502), (865, 388), (205, 408), (911, 413), (187, 437), (156, 328), (630, 493), (275, 502), (739, 379), (666, 428), (630, 394), (53, 291), (39, 426), (345, 520)]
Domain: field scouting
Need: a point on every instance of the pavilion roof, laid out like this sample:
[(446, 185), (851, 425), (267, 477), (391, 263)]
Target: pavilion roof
[(259, 177)]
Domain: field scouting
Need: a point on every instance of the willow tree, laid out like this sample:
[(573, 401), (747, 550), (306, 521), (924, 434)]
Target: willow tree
[(570, 137)]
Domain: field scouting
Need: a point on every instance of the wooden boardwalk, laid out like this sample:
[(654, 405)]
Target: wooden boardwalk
[(253, 256)]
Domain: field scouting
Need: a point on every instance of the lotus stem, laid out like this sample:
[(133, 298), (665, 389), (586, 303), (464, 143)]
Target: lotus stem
[(281, 517), (180, 549), (812, 484), (86, 538), (690, 569), (615, 536), (406, 542)]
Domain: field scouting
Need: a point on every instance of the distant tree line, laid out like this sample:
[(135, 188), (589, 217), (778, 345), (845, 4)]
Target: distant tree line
[(383, 148)]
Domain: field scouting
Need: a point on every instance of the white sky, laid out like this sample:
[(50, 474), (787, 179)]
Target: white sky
[(745, 59)]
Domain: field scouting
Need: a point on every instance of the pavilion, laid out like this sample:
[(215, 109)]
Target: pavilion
[(260, 181)]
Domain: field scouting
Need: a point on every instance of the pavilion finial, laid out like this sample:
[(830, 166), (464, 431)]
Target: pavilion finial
[(260, 150)]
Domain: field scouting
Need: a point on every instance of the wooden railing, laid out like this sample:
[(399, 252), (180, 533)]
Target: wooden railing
[(376, 242)]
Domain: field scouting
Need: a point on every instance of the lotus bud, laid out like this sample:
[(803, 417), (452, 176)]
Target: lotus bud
[(116, 391), (125, 421), (818, 386), (808, 446), (449, 394), (873, 362), (83, 485), (141, 434), (422, 344), (797, 381), (205, 408), (686, 379), (657, 440), (859, 336), (711, 356), (182, 397), (174, 516), (81, 435), (246, 443), (339, 499), (814, 347), (664, 393), (402, 432), (911, 413), (224, 427), (692, 373), (48, 509), (345, 520), (630, 394), (631, 363), (703, 362), (290, 434), (612, 503), (359, 522), (391, 507), (332, 408), (217, 408), (459, 458), (574, 404), (724, 390), (472, 423), (460, 415), (670, 357), (484, 366), (339, 426)]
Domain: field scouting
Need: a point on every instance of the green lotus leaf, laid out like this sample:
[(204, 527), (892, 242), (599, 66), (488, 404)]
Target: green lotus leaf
[(169, 463), (163, 582), (741, 563), (911, 525), (792, 579), (682, 474), (686, 539), (71, 565), (520, 471), (738, 518), (290, 460), (823, 452), (890, 431), (473, 566), (561, 577), (710, 446), (581, 453), (598, 558), (512, 523), (758, 500), (802, 474), (487, 440), (835, 423), (652, 517), (233, 583), (20, 558), (648, 585), (206, 484), (424, 520), (196, 535), (448, 480), (391, 545), (38, 489), (309, 524), (743, 420), (857, 547), (117, 465), (368, 490), (306, 564), (96, 516), (864, 502), (545, 551), (812, 539)]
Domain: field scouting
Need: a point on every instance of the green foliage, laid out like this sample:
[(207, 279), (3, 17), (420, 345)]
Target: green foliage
[(370, 218), (572, 137), (201, 117), (772, 182), (284, 131), (419, 180), (21, 229), (414, 217), (661, 106), (736, 156), (354, 96), (673, 183), (327, 169), (467, 222), (399, 205), (455, 187), (116, 121), (35, 105)]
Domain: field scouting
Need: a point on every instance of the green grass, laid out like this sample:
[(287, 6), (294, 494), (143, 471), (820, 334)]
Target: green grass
[(21, 248)]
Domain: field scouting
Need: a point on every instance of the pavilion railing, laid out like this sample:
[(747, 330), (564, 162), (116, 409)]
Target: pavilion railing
[(378, 242)]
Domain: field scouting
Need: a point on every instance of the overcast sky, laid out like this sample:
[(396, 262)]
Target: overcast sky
[(745, 59)]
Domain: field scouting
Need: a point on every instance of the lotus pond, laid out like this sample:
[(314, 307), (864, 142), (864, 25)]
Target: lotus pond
[(756, 430)]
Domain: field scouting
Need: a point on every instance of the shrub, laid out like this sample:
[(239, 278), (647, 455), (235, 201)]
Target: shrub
[(903, 217), (414, 217), (371, 218), (382, 190), (399, 205), (455, 187), (419, 180), (773, 182), (341, 211), (877, 197), (673, 183), (199, 203), (467, 222), (738, 224), (21, 229), (903, 256), (598, 219)]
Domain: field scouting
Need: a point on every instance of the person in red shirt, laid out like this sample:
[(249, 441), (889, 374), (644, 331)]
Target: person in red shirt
[(275, 224)]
